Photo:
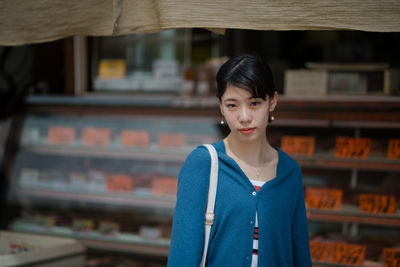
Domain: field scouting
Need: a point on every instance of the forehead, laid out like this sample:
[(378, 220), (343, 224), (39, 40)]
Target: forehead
[(237, 93)]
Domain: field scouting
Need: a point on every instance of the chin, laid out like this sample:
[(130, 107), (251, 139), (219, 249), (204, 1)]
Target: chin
[(246, 138)]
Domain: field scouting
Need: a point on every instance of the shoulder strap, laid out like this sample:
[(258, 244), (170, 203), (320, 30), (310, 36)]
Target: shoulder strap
[(212, 191)]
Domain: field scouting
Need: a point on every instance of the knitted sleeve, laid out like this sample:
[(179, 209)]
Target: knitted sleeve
[(187, 238)]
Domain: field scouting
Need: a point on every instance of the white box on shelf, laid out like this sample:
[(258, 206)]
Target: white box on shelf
[(346, 83), (123, 84), (169, 84), (306, 82)]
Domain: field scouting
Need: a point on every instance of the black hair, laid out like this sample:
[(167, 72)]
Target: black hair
[(249, 72)]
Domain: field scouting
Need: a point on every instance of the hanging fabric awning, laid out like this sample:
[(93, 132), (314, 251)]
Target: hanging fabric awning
[(23, 22)]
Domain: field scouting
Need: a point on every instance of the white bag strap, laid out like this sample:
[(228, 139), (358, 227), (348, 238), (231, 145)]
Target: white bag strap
[(212, 191)]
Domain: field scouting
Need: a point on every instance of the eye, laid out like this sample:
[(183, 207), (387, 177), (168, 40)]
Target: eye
[(231, 105), (255, 103)]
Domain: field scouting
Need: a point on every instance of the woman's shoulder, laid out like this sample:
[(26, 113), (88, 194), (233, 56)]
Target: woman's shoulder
[(199, 158), (287, 159), (287, 164), (199, 153), (196, 168)]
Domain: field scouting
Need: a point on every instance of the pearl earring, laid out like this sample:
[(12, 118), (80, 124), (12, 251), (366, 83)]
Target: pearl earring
[(271, 116), (222, 122)]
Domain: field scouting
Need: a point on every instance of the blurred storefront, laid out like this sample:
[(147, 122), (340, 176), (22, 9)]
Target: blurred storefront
[(94, 129)]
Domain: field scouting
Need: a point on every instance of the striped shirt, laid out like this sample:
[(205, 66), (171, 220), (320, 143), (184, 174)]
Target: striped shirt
[(257, 185)]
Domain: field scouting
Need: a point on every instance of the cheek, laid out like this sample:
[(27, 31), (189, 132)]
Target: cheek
[(263, 123), (229, 118), (262, 115)]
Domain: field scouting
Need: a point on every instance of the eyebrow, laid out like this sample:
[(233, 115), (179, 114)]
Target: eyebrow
[(234, 99)]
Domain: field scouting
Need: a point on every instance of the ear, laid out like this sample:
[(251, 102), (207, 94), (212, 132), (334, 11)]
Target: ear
[(273, 101)]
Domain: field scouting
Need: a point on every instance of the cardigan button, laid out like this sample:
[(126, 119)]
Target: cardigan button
[(254, 193)]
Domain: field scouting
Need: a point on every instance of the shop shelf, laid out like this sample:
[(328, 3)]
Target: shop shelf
[(46, 251), (153, 100), (320, 160), (328, 161), (101, 100), (122, 242), (324, 123), (327, 264), (352, 214), (166, 203), (347, 213), (142, 154)]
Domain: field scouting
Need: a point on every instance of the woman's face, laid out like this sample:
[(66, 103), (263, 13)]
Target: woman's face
[(246, 116)]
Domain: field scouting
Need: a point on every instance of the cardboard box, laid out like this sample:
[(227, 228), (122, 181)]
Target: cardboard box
[(306, 82), (342, 78)]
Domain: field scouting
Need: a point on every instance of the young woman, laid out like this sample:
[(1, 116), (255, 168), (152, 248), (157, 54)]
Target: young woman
[(260, 217)]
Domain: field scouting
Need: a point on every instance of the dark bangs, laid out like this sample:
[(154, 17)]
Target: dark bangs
[(248, 72)]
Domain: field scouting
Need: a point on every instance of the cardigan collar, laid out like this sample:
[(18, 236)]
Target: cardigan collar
[(282, 168)]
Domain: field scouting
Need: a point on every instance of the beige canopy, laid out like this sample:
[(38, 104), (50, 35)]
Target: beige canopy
[(24, 21)]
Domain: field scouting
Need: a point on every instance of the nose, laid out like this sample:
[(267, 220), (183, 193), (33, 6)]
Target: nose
[(244, 115)]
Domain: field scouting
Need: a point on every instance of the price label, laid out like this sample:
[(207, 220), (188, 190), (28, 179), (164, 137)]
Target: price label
[(324, 198), (131, 138), (349, 147), (18, 247), (82, 225), (46, 221), (119, 183), (77, 180), (394, 148), (391, 257), (350, 254), (298, 145), (29, 177), (164, 185), (108, 228), (171, 140), (112, 69), (58, 135), (320, 251), (96, 136), (376, 203)]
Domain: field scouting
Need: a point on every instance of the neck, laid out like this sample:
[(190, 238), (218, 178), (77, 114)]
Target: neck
[(255, 153)]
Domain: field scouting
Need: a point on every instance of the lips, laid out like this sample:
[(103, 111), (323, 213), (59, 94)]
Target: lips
[(246, 130)]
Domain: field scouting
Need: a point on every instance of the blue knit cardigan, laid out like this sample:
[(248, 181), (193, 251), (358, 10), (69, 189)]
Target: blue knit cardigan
[(283, 234)]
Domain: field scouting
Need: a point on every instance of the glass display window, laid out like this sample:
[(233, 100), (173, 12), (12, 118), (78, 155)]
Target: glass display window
[(155, 63)]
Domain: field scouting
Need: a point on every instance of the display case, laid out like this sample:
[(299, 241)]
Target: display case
[(348, 148), (168, 62), (104, 170)]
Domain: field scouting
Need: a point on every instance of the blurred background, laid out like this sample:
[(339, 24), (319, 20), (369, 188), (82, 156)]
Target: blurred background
[(94, 131)]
